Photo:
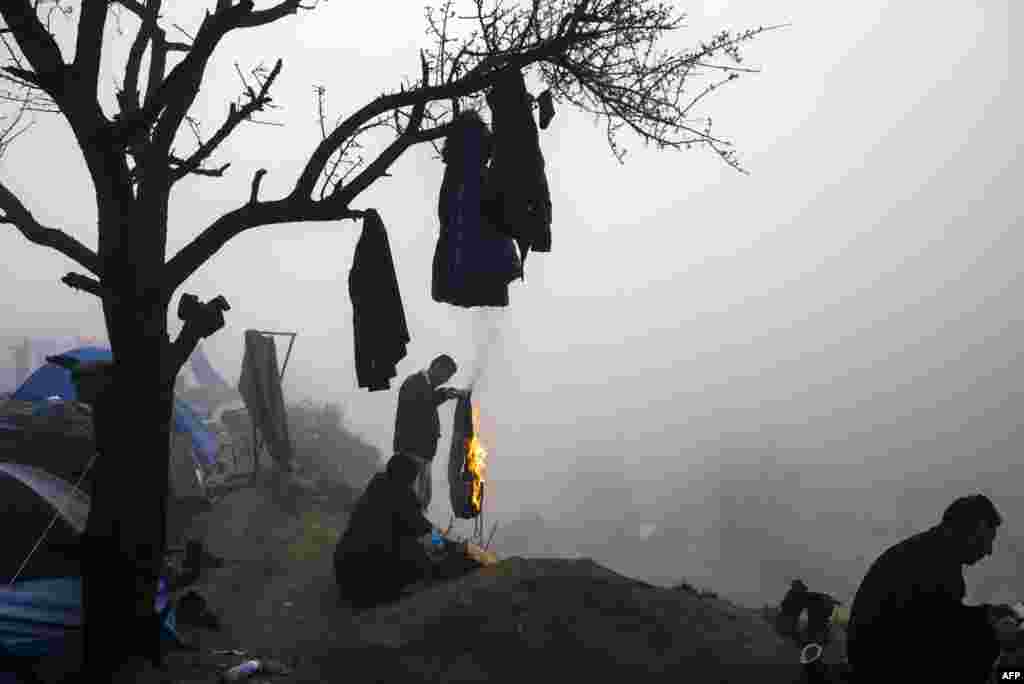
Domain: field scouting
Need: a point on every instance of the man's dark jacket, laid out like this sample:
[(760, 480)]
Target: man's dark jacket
[(516, 196), (417, 426), (385, 513), (908, 617), (379, 554)]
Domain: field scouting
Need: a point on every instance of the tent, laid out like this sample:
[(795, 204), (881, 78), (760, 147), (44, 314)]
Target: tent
[(51, 380), (41, 617), (57, 518), (31, 353), (203, 371)]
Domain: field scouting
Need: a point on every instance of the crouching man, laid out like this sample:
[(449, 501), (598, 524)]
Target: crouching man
[(385, 546), (908, 618)]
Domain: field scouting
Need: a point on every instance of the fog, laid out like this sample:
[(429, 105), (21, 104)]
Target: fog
[(783, 372)]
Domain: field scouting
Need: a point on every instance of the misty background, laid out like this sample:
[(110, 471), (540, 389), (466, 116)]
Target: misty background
[(732, 379)]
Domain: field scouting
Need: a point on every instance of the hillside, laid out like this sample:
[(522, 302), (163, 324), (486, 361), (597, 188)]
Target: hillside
[(523, 617)]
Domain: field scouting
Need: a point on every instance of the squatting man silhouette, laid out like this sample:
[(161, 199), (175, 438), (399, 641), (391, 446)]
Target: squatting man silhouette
[(908, 618)]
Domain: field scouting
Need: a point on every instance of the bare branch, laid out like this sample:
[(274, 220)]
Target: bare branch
[(17, 215), (36, 43), (89, 45), (186, 33), (24, 77), (268, 16), (157, 63), (596, 55), (77, 281), (135, 7), (233, 223), (344, 195), (128, 98), (470, 83), (175, 94), (9, 134), (182, 167), (254, 191), (235, 116)]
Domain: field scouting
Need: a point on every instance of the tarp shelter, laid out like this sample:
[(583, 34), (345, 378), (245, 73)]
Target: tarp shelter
[(203, 371), (51, 380), (30, 499), (41, 617), (202, 387), (31, 353)]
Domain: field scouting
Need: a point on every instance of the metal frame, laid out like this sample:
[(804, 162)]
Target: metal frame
[(256, 443)]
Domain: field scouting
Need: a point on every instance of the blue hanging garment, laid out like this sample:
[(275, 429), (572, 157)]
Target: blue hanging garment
[(473, 263)]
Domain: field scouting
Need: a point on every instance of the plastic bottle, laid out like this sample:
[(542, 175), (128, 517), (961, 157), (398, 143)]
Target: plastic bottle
[(241, 671), (436, 540)]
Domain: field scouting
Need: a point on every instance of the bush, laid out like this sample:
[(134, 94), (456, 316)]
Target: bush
[(327, 448)]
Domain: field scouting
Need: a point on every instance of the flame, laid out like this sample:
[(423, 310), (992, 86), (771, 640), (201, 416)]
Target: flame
[(476, 461)]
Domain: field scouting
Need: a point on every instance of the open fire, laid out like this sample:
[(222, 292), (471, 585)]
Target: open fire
[(476, 462), (467, 464)]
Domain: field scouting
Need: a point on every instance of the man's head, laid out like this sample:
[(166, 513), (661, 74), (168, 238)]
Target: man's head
[(972, 521), (441, 370), (402, 469)]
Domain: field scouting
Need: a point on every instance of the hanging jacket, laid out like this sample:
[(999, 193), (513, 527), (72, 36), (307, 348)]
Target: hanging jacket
[(517, 199), (473, 263), (460, 480), (378, 318)]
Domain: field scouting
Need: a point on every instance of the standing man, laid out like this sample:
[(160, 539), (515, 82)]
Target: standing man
[(417, 426), (908, 617)]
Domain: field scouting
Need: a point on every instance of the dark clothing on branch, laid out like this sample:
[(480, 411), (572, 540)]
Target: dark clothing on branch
[(908, 618), (473, 263), (378, 318), (379, 553), (516, 198), (260, 387)]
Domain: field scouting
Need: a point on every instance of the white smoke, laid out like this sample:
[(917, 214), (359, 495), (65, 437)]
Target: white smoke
[(486, 324)]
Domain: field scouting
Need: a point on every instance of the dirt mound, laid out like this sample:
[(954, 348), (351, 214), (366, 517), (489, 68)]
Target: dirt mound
[(524, 617)]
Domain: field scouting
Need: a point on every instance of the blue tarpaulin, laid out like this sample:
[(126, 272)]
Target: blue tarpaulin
[(52, 380), (204, 371), (38, 617), (204, 442)]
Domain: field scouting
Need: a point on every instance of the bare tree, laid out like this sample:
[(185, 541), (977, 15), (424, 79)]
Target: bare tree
[(600, 56)]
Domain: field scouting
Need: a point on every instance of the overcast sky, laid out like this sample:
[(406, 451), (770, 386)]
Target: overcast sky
[(848, 311)]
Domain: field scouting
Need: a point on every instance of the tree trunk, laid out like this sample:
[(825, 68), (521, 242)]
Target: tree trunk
[(125, 535)]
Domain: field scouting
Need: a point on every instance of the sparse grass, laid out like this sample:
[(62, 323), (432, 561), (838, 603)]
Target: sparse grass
[(316, 538)]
